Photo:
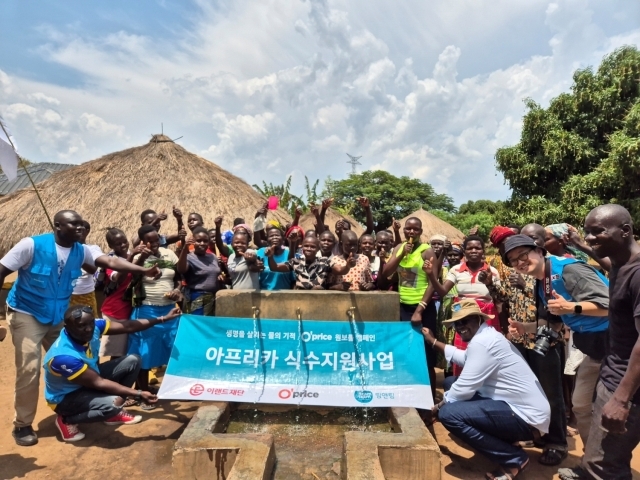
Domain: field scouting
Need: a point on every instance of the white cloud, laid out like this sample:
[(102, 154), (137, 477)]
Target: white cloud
[(266, 88)]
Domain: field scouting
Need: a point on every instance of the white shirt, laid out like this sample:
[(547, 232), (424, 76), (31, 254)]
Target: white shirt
[(86, 283), (494, 369), (20, 256)]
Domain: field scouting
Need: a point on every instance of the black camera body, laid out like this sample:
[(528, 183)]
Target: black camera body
[(545, 338)]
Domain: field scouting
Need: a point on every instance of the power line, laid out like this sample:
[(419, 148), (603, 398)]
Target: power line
[(354, 161)]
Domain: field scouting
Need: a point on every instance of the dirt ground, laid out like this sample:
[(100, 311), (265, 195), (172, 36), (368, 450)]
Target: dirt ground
[(145, 449)]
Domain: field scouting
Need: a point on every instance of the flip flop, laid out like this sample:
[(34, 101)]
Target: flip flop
[(552, 457), (131, 402), (147, 407), (500, 474)]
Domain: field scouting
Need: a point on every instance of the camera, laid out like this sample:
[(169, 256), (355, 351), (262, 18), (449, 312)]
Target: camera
[(545, 337)]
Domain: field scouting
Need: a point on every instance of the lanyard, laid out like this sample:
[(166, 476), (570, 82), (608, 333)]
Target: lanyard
[(547, 279)]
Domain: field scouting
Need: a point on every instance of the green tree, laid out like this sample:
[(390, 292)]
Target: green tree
[(480, 213), (390, 196), (581, 151), (289, 201)]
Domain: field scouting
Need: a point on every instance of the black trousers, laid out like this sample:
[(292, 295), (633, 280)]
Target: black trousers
[(429, 320)]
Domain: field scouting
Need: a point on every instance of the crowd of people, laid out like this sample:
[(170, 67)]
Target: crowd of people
[(539, 335)]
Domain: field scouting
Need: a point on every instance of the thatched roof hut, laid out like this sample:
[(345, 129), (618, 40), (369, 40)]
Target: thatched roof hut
[(113, 190), (331, 217), (432, 225)]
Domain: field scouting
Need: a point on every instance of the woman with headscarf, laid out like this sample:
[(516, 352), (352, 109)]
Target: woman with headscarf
[(565, 240), (466, 277), (556, 245)]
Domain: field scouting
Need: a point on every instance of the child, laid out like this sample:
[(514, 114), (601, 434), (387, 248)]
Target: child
[(311, 271)]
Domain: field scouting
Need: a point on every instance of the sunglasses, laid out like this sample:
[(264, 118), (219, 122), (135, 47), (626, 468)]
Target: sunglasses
[(461, 323), (78, 312)]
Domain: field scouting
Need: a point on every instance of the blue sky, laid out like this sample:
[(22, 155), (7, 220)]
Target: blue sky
[(271, 88)]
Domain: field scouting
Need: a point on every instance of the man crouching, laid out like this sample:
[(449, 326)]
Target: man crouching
[(496, 401), (77, 387)]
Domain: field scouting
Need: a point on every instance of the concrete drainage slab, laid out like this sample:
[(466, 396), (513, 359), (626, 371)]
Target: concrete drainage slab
[(369, 448)]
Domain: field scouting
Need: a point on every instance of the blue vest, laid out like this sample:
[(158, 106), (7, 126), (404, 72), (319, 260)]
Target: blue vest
[(39, 290), (577, 323), (57, 386)]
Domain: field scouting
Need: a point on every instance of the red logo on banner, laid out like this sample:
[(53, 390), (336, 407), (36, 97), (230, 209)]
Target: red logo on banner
[(284, 394), (196, 390)]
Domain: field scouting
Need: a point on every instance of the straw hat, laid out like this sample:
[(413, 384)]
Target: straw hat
[(465, 308), (113, 190)]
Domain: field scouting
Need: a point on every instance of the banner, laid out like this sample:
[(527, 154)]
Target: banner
[(328, 363)]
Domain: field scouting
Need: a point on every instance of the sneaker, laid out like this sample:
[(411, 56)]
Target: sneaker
[(25, 436), (575, 473), (70, 433), (124, 418)]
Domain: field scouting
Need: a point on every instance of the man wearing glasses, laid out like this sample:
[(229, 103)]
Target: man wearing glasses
[(496, 401), (579, 295), (77, 387)]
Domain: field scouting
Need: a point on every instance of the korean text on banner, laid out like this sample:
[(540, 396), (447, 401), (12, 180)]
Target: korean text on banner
[(381, 364)]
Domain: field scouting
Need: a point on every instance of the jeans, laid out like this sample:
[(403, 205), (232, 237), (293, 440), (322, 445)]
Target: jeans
[(548, 370), (429, 320), (29, 337), (488, 426), (607, 456), (86, 405)]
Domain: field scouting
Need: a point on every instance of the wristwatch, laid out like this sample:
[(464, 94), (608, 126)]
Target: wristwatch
[(577, 309)]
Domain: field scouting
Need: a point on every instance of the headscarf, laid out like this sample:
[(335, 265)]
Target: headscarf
[(295, 228), (441, 238), (243, 226), (558, 230), (498, 234), (274, 223), (457, 248)]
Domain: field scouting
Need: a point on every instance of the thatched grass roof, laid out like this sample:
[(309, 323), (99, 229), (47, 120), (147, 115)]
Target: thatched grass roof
[(330, 219), (432, 225), (113, 190)]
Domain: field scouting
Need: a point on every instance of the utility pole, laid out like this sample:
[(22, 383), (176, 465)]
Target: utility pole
[(354, 161)]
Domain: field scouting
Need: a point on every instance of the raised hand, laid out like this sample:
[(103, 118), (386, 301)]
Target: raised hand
[(485, 277), (517, 281), (516, 329), (351, 261), (294, 237), (298, 211), (262, 212), (326, 203), (314, 209), (447, 246), (474, 230), (396, 224), (427, 267), (183, 235), (139, 249), (218, 222), (558, 305), (162, 216), (364, 202), (177, 213)]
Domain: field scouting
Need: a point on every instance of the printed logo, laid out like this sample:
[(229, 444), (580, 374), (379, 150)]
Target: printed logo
[(287, 393), (196, 390), (555, 277), (363, 396)]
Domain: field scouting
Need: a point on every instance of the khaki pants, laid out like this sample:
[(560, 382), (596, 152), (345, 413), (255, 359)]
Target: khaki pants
[(29, 336), (582, 398)]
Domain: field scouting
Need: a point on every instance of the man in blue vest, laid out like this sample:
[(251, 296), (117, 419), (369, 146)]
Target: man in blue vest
[(48, 266), (79, 389), (579, 295)]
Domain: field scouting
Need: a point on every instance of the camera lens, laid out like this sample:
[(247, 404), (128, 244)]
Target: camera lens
[(542, 346)]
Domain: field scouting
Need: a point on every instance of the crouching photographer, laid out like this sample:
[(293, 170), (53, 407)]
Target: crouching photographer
[(579, 295)]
